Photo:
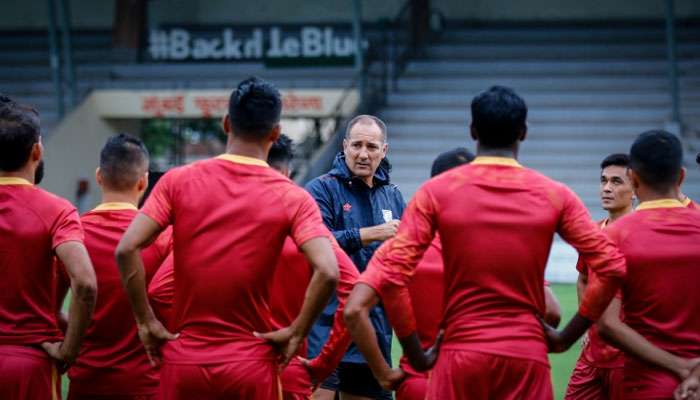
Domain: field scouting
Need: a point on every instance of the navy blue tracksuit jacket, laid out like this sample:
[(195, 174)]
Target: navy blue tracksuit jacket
[(348, 204)]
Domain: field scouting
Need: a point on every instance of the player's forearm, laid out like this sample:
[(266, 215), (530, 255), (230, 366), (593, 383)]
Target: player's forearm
[(363, 334), (581, 283), (318, 293), (612, 329), (133, 277), (80, 312), (339, 339), (577, 326), (83, 282)]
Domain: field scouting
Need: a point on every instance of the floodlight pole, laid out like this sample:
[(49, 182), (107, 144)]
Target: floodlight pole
[(359, 56), (55, 59), (65, 16), (672, 65)]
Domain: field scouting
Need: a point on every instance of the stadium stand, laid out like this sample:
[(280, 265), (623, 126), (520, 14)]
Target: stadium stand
[(25, 73), (590, 91)]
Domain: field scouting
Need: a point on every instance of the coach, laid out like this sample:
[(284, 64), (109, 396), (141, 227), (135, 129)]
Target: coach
[(362, 209)]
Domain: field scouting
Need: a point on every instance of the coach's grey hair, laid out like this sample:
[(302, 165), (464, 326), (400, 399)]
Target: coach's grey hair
[(366, 119)]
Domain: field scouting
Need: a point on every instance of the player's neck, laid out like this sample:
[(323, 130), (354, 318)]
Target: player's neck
[(120, 197), (485, 151), (645, 193), (24, 173), (247, 149), (615, 214)]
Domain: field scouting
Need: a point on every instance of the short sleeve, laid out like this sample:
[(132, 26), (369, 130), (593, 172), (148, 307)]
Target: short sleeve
[(159, 204), (66, 227), (305, 217)]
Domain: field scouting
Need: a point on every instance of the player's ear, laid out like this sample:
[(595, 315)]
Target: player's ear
[(226, 124), (634, 179), (37, 151), (473, 132), (98, 176), (142, 184), (275, 133), (523, 133), (681, 176)]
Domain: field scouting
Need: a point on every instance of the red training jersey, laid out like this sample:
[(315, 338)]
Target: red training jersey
[(230, 216), (112, 359), (33, 222), (496, 221), (661, 242), (596, 351), (688, 202)]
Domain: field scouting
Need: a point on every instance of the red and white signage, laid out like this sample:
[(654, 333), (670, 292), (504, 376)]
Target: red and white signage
[(311, 103)]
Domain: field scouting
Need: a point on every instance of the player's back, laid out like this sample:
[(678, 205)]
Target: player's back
[(230, 217), (112, 359), (33, 223), (660, 296), (497, 221)]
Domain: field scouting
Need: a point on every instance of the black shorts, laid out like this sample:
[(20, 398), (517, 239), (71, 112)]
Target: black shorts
[(355, 379)]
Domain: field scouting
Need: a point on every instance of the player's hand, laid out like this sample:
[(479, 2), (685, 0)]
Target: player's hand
[(153, 334), (686, 367), (391, 378), (689, 389), (56, 351), (286, 340), (554, 340), (432, 353)]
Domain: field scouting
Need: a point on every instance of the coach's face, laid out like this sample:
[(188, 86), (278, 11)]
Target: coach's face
[(364, 149), (616, 189)]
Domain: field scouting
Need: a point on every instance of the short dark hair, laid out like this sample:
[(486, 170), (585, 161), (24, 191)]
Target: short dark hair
[(254, 108), (450, 159), (498, 116), (123, 161), (617, 159), (19, 131), (657, 157), (281, 152), (368, 119)]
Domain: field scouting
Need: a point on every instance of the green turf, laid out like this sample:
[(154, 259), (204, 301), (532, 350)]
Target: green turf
[(562, 364)]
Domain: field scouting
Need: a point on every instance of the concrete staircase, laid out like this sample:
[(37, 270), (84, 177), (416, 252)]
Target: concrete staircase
[(590, 91)]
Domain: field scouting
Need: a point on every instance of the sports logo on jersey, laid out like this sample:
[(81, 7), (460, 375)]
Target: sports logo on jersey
[(347, 207), (388, 215)]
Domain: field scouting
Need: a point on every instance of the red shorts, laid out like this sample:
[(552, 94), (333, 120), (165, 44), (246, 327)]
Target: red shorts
[(74, 396), (414, 387), (27, 373), (249, 379), (592, 383), (643, 382), (471, 375), (296, 382), (294, 396)]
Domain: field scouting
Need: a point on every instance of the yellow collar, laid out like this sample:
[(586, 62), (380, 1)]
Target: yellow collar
[(235, 158), (663, 203), (11, 180), (489, 160), (115, 206), (686, 202)]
